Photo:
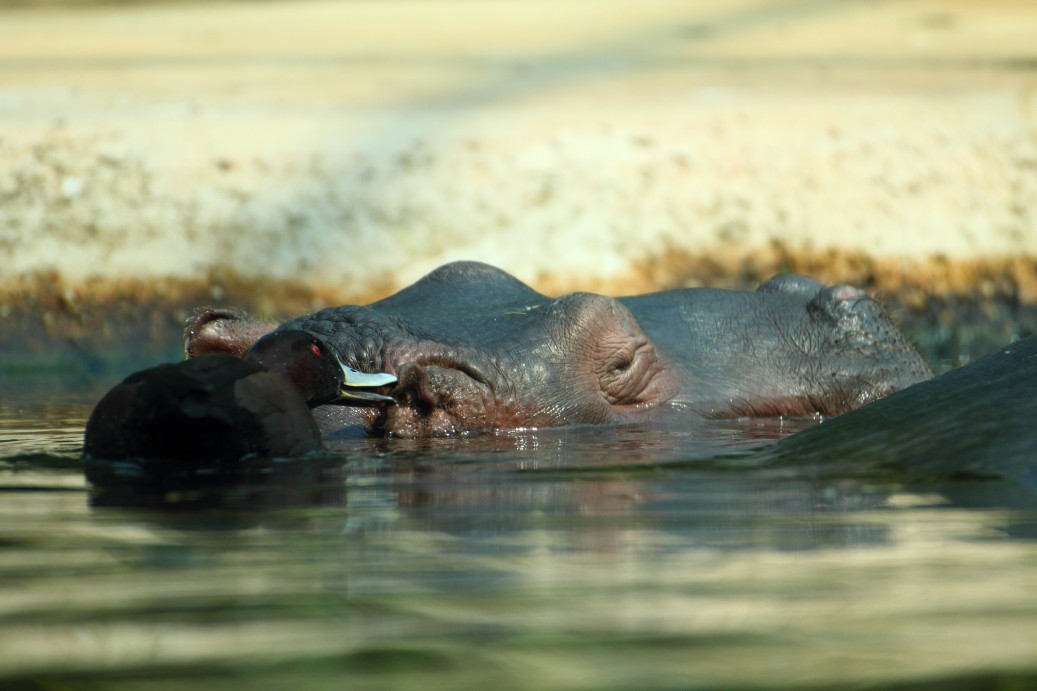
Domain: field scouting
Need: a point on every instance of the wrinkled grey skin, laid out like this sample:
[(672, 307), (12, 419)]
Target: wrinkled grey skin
[(976, 422), (476, 349)]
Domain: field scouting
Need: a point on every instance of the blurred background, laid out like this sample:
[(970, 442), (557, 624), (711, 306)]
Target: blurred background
[(286, 155)]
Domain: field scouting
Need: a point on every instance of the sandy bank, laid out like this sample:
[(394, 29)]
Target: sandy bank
[(336, 151)]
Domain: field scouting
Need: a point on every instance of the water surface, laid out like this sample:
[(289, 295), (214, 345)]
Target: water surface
[(582, 558)]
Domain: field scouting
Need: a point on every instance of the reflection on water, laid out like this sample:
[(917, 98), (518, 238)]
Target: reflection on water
[(579, 558)]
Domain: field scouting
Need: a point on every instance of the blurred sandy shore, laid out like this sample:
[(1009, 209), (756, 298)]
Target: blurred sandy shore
[(289, 154)]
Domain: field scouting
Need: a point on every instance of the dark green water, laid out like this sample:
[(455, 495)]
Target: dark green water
[(571, 559)]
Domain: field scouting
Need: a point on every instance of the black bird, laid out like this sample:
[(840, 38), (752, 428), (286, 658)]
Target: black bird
[(221, 408)]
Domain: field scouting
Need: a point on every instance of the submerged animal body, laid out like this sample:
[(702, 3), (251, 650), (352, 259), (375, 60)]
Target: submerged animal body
[(975, 422), (219, 407), (473, 348)]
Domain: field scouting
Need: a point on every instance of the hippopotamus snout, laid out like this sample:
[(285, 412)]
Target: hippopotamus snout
[(434, 400)]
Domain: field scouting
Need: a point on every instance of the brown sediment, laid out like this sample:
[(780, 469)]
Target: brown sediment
[(914, 280), (43, 311), (968, 305)]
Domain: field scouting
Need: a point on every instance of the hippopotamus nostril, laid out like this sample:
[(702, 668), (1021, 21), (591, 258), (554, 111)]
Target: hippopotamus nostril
[(219, 330), (435, 400), (205, 315), (414, 388)]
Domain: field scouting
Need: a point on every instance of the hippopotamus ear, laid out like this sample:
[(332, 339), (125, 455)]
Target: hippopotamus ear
[(214, 330), (612, 354), (792, 284)]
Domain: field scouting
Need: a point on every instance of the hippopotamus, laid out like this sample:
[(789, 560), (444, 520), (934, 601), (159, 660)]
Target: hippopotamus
[(975, 422), (472, 348)]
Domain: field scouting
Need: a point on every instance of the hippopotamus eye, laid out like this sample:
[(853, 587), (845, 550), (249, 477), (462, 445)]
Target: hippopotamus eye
[(316, 349)]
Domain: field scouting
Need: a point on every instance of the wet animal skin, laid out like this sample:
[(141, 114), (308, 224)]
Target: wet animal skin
[(474, 349)]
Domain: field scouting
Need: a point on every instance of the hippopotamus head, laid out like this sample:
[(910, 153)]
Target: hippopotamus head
[(473, 348)]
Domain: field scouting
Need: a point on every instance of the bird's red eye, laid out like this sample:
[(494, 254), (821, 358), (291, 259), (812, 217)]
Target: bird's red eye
[(316, 349)]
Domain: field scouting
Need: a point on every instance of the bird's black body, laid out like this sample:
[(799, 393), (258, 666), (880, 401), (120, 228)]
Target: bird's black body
[(215, 407)]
